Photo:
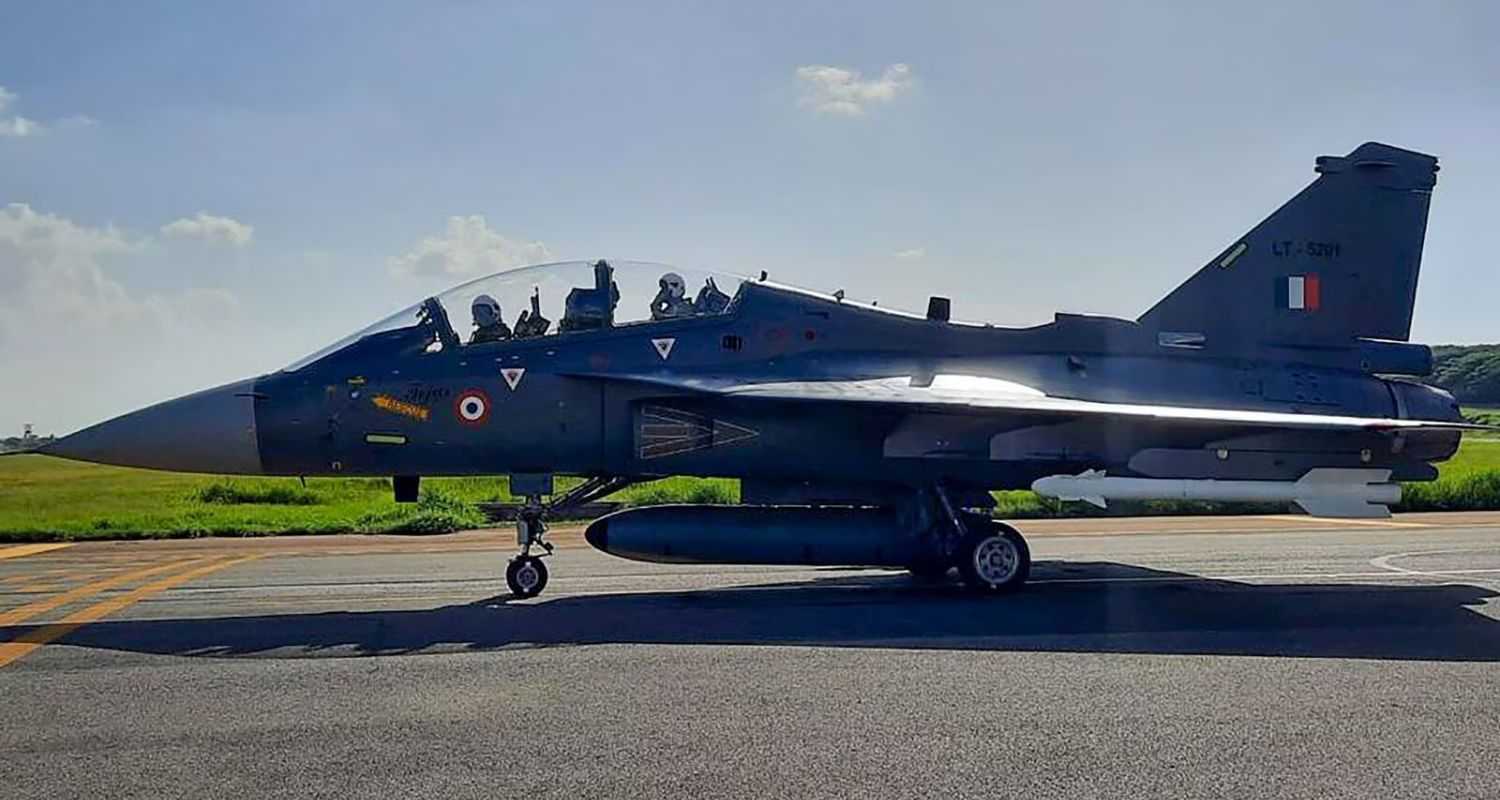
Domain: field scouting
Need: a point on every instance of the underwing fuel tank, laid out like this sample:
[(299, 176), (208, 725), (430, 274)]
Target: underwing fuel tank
[(1321, 492), (801, 535)]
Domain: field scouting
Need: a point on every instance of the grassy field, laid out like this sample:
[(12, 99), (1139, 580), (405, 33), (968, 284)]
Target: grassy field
[(48, 498), (1486, 415)]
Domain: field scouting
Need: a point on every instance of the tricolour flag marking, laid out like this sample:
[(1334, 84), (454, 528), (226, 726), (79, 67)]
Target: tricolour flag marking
[(1299, 292), (1296, 292)]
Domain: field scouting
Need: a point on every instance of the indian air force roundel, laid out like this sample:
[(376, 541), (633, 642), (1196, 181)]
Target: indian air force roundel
[(472, 407)]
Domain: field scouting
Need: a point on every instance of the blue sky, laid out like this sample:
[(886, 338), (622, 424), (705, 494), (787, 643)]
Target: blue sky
[(210, 190)]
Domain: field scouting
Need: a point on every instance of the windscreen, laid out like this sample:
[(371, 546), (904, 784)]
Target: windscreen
[(560, 298)]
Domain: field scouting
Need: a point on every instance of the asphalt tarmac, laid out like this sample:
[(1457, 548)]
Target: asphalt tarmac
[(1246, 657)]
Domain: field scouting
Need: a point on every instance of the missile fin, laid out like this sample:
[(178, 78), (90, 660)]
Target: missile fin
[(1346, 507), (1069, 488)]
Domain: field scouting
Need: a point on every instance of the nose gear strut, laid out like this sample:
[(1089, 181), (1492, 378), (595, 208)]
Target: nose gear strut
[(526, 575)]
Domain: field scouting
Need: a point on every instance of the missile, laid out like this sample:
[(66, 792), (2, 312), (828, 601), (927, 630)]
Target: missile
[(1324, 492), (802, 535)]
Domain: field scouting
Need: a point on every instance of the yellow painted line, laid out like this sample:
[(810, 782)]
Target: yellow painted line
[(31, 576), (55, 577), (31, 640), (20, 614), (31, 549), (1386, 523), (1319, 521)]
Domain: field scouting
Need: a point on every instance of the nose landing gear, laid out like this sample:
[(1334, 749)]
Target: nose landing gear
[(526, 575)]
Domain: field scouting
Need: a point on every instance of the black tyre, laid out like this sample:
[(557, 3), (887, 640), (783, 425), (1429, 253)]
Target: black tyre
[(526, 576), (993, 558)]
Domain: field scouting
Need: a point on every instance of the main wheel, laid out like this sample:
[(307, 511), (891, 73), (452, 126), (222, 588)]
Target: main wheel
[(993, 558), (526, 576)]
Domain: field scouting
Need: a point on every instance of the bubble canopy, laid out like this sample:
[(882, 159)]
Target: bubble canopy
[(545, 300)]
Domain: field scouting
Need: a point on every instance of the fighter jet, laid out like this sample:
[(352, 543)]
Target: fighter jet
[(863, 435)]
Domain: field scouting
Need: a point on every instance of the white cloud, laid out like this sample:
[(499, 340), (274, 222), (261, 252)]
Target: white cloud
[(53, 269), (41, 239), (17, 126), (205, 226), (468, 247), (837, 90), (911, 253), (85, 345)]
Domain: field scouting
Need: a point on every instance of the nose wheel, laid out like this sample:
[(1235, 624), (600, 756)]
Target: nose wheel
[(526, 576)]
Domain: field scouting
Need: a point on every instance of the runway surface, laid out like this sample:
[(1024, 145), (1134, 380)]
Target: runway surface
[(1243, 657)]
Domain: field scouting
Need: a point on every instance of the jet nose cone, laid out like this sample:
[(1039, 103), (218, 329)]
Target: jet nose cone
[(210, 431)]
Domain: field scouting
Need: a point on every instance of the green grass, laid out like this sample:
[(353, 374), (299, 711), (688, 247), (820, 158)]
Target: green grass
[(45, 498), (49, 498), (1470, 481), (1484, 415), (1475, 454)]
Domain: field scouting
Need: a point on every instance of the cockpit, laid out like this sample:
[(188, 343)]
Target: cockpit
[(540, 301)]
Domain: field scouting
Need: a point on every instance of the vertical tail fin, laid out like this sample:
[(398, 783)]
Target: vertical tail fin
[(1338, 262)]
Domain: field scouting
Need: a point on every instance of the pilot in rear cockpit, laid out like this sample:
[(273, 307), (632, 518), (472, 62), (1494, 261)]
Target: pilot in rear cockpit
[(489, 325), (671, 299)]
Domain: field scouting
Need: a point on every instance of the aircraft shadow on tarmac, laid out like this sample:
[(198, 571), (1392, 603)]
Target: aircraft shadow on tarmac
[(1151, 611)]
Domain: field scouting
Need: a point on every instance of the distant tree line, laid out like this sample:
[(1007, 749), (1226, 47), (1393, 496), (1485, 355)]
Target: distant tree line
[(1470, 372)]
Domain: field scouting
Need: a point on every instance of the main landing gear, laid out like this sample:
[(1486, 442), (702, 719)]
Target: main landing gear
[(526, 574), (991, 557)]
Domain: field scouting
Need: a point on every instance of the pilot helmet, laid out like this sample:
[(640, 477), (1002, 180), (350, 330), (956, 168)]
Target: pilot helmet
[(486, 311), (673, 285)]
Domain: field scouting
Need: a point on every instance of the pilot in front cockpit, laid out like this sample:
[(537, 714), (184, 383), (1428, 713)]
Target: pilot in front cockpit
[(671, 299), (489, 325)]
